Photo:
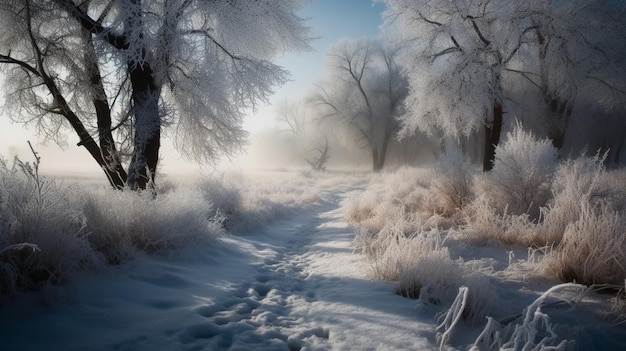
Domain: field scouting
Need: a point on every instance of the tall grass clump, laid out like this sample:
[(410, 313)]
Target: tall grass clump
[(249, 202), (430, 275), (43, 235), (486, 224), (576, 182), (452, 180), (522, 174), (402, 196), (593, 248), (122, 224)]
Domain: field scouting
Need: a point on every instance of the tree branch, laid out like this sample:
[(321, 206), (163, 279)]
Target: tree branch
[(478, 32), (218, 44), (525, 75), (10, 60), (89, 24)]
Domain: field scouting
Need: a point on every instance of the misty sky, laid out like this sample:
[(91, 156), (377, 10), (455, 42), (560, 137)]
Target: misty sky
[(330, 20)]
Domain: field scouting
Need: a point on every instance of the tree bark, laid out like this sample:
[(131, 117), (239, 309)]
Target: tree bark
[(147, 136), (492, 137)]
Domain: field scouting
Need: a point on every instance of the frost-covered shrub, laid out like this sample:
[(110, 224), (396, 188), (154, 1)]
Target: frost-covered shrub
[(452, 180), (576, 181), (523, 170), (396, 194), (374, 242), (121, 223), (593, 248), (418, 261), (395, 244), (42, 230), (402, 196)]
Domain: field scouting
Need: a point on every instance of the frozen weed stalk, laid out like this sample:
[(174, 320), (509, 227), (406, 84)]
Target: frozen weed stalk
[(452, 317), (535, 331)]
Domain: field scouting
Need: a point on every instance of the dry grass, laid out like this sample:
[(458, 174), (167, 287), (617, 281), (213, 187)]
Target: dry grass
[(593, 248), (488, 225)]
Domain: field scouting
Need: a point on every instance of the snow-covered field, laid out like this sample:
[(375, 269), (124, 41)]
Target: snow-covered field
[(289, 279), (293, 285)]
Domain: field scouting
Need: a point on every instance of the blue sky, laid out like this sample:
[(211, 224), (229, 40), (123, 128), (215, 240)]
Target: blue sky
[(330, 21)]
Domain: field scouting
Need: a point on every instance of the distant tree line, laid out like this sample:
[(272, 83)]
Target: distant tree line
[(467, 70)]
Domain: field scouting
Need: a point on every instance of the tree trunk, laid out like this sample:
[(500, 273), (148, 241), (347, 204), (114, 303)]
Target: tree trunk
[(492, 137), (86, 139), (559, 112), (383, 152), (112, 167), (375, 165), (147, 137), (558, 109)]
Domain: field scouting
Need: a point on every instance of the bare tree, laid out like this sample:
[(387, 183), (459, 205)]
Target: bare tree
[(309, 132), (365, 91), (127, 69)]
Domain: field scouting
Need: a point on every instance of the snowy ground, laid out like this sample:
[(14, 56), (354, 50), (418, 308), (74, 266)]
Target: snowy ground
[(294, 285)]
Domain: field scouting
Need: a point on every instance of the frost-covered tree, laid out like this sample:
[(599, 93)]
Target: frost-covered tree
[(456, 53), (117, 72), (464, 56), (364, 91)]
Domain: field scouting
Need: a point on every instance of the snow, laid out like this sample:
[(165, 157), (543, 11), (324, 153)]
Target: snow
[(295, 284)]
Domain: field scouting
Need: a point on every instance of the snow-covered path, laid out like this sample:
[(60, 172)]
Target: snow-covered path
[(295, 285)]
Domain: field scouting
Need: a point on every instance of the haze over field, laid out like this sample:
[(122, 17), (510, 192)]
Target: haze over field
[(329, 21)]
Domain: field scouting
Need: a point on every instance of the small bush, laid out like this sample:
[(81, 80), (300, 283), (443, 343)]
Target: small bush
[(523, 170), (42, 230), (402, 196), (251, 203), (576, 181)]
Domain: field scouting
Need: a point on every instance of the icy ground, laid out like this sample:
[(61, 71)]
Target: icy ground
[(294, 285)]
